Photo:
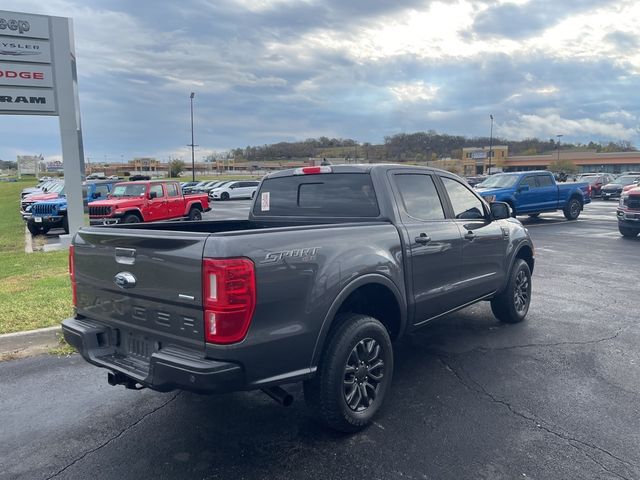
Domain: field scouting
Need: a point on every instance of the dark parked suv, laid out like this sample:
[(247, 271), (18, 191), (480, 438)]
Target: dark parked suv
[(333, 265)]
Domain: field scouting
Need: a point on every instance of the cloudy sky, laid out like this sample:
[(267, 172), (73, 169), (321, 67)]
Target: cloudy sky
[(265, 71)]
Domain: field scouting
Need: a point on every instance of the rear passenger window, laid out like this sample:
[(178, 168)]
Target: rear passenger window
[(172, 190), (419, 196), (544, 181)]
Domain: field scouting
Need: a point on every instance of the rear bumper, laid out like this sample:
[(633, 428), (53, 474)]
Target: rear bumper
[(611, 194), (165, 369)]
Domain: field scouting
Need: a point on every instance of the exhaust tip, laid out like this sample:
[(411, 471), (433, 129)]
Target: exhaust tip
[(280, 395)]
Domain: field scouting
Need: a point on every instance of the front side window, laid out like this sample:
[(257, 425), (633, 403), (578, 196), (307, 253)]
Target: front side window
[(157, 189), (530, 181), (419, 196), (465, 204)]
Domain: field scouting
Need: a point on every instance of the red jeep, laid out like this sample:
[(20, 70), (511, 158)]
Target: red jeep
[(147, 201)]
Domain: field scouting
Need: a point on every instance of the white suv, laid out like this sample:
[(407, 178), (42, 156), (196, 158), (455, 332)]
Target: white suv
[(235, 190)]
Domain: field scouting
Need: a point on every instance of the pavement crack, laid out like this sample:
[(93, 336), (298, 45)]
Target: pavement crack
[(114, 437), (576, 443), (554, 344)]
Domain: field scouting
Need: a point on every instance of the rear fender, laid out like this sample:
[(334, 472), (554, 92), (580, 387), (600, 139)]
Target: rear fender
[(367, 279)]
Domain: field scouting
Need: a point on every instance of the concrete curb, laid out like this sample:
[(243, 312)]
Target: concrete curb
[(32, 342)]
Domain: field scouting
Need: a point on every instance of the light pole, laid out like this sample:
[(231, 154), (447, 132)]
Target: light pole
[(193, 161), (490, 143), (558, 145)]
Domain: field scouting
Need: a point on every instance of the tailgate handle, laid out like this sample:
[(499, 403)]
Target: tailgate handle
[(126, 256)]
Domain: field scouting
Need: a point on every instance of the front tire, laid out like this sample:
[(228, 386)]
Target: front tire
[(354, 374), (512, 304), (33, 228), (131, 218), (572, 209), (224, 196), (65, 224), (628, 232)]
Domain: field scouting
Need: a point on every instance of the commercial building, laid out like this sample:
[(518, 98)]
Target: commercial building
[(475, 160), (589, 161)]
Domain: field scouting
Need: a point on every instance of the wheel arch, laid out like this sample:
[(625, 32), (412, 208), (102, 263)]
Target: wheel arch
[(193, 205), (384, 302), (135, 212)]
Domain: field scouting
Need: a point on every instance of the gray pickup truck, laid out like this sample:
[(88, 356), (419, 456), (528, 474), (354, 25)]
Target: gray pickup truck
[(333, 264)]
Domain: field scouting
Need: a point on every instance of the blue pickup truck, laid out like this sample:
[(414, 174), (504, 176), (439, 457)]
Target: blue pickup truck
[(50, 214), (533, 193)]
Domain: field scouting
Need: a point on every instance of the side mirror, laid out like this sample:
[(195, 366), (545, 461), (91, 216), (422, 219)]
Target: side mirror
[(153, 195), (500, 210), (523, 188)]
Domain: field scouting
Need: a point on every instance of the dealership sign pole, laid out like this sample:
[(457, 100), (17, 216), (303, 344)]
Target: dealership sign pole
[(38, 77)]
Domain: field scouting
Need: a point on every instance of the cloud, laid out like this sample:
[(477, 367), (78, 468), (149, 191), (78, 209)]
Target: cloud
[(522, 20), (275, 70), (547, 126)]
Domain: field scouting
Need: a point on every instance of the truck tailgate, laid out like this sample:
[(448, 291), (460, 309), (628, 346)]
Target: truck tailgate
[(127, 280)]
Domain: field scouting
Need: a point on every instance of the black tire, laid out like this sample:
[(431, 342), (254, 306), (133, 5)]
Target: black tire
[(33, 228), (512, 304), (628, 232), (360, 341), (534, 215), (224, 196), (195, 214), (131, 218), (572, 209), (65, 224)]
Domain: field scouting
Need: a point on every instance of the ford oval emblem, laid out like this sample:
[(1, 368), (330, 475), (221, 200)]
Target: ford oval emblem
[(125, 280)]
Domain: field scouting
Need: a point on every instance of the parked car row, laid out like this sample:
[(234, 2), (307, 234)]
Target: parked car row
[(45, 206), (223, 190)]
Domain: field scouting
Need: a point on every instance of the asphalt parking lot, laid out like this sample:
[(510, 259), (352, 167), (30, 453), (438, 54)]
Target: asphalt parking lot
[(557, 396)]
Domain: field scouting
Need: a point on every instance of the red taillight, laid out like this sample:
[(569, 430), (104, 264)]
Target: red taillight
[(229, 298), (72, 274), (589, 186)]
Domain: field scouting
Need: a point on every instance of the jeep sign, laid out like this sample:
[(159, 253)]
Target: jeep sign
[(24, 25), (19, 53)]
